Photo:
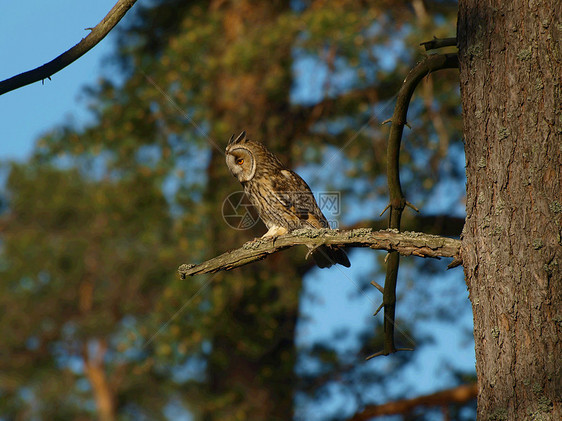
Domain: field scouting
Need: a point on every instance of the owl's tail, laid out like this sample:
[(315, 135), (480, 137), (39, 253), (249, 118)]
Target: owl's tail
[(326, 256)]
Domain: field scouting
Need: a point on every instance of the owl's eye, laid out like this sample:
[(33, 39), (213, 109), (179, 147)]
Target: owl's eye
[(240, 161)]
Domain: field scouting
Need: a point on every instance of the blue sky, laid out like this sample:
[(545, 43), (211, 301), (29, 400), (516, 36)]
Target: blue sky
[(31, 34)]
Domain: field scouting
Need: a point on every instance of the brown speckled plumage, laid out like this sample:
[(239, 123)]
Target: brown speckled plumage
[(283, 199)]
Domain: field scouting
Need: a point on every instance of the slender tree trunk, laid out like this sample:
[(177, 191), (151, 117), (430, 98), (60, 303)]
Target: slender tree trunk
[(511, 67), (94, 369)]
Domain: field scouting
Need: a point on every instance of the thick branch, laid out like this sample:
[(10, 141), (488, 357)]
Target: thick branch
[(445, 225), (397, 200), (422, 69), (458, 395), (405, 243), (94, 37)]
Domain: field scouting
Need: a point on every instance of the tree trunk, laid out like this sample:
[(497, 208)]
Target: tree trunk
[(95, 372), (250, 370), (511, 67)]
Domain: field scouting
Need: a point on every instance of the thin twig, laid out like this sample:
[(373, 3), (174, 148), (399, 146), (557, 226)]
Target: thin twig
[(377, 310), (377, 286), (86, 44), (385, 209), (385, 353), (412, 206)]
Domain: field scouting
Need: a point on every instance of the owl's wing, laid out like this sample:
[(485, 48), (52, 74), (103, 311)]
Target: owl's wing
[(295, 195)]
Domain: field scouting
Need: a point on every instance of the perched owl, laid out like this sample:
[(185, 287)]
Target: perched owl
[(283, 199)]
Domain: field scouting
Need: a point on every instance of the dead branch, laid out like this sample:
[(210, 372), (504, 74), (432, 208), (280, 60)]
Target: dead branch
[(458, 395), (436, 43), (397, 200), (94, 37), (405, 243)]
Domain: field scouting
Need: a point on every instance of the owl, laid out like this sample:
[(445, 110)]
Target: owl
[(282, 198)]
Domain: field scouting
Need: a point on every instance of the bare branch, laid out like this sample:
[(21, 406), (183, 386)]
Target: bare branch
[(405, 243), (439, 43), (459, 395), (397, 200), (428, 65), (445, 225), (94, 37)]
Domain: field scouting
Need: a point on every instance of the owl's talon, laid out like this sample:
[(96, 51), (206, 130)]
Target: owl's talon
[(274, 232)]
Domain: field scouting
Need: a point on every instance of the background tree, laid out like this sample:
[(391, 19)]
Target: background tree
[(108, 210), (510, 79), (72, 250)]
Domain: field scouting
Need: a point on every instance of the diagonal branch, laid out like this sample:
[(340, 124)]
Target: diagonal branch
[(458, 395), (405, 243), (94, 37)]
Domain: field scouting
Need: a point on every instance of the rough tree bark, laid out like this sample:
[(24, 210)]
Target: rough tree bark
[(510, 71)]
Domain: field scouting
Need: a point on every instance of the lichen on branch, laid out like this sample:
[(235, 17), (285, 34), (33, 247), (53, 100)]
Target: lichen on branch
[(406, 243)]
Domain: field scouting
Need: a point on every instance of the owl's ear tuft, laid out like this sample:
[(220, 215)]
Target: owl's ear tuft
[(241, 138)]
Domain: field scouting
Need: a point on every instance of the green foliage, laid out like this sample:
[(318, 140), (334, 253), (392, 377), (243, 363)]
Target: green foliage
[(78, 257)]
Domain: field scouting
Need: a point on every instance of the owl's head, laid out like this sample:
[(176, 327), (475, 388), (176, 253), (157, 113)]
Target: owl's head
[(241, 157), (247, 159)]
